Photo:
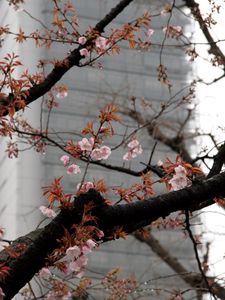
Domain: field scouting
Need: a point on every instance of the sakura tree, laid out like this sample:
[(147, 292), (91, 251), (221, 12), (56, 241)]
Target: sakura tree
[(56, 255)]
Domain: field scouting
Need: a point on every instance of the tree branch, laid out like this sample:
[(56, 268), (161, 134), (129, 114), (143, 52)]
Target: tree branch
[(129, 216), (67, 63), (214, 49), (193, 279)]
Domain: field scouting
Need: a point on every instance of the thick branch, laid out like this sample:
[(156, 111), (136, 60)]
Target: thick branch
[(130, 216), (68, 62)]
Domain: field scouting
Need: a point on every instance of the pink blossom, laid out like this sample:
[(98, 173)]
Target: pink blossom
[(73, 252), (149, 33), (179, 179), (134, 143), (47, 211), (84, 52), (178, 182), (65, 159), (127, 156), (45, 273), (91, 244), (134, 149), (100, 234), (74, 267), (73, 169), (86, 249), (86, 145), (80, 263), (82, 40), (101, 43), (86, 186), (80, 274), (105, 152), (62, 94), (160, 163), (180, 170), (101, 153), (165, 29)]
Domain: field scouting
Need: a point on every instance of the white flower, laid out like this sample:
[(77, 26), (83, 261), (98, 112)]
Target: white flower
[(45, 273), (84, 52), (65, 159), (85, 144), (82, 40), (73, 252), (101, 153), (73, 169), (101, 43), (47, 211)]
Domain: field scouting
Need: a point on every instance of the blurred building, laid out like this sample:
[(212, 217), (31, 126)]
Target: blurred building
[(130, 74)]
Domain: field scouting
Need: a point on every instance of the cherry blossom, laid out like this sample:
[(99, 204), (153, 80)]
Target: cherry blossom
[(134, 149), (12, 149), (127, 156), (47, 211), (149, 34), (73, 252), (65, 159), (160, 163), (77, 265), (101, 43), (82, 40), (180, 170), (86, 186), (86, 145), (73, 169), (178, 182), (84, 52), (179, 179), (89, 245), (80, 274), (62, 94), (101, 153), (100, 234), (45, 273)]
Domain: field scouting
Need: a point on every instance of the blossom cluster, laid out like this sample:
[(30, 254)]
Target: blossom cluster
[(77, 259), (70, 168), (87, 147), (179, 179), (48, 212), (101, 45), (134, 149)]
